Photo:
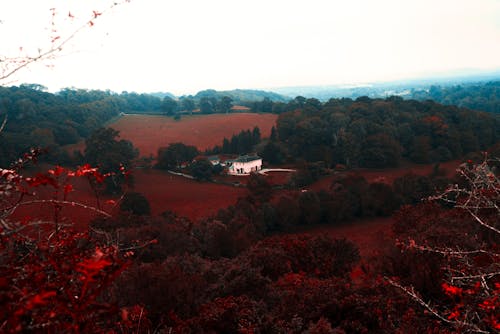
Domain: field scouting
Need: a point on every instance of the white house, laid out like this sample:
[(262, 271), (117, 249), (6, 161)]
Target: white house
[(244, 165)]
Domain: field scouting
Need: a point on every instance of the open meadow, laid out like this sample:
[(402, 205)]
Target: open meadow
[(150, 132), (164, 191)]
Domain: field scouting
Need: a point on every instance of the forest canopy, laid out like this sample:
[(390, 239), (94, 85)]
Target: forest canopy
[(380, 133), (478, 96)]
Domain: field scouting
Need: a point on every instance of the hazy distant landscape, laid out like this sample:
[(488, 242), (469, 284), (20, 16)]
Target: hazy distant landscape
[(250, 167), (355, 171)]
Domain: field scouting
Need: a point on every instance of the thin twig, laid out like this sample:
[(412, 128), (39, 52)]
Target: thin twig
[(53, 201), (456, 323), (23, 62), (4, 122)]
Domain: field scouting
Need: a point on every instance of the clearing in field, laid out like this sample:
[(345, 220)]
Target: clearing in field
[(150, 132)]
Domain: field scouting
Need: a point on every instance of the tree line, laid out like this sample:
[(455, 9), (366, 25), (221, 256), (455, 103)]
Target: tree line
[(477, 96), (379, 133), (38, 118)]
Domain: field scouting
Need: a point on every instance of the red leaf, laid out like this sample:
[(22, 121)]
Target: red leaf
[(92, 267), (451, 290), (68, 188), (41, 180), (85, 170), (39, 299), (98, 177), (56, 171), (453, 315)]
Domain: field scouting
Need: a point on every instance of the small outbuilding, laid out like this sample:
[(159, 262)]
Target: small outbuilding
[(214, 160)]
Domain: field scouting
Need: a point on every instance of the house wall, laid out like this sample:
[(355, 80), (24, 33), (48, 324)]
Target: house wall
[(246, 167)]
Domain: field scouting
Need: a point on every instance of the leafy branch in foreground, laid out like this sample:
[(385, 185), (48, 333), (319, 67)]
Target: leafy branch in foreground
[(465, 236), (55, 278)]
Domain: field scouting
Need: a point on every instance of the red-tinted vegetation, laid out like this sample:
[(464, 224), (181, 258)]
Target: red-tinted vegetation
[(257, 259), (388, 175), (226, 274), (370, 235), (164, 192)]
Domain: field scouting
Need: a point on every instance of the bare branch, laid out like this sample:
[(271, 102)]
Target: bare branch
[(4, 123), (483, 276), (15, 64), (410, 291), (480, 221), (54, 201), (449, 252), (11, 230)]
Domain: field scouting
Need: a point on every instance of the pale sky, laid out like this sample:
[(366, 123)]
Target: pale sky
[(183, 46)]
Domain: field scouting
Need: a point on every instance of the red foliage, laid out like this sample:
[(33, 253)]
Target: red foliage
[(451, 290), (53, 279), (320, 256), (457, 235), (225, 315), (56, 284)]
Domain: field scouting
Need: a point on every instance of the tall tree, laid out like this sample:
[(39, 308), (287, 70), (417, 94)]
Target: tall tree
[(188, 104), (206, 106), (175, 154), (169, 105), (224, 105), (104, 149)]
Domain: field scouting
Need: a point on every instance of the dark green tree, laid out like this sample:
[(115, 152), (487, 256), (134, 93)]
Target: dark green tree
[(201, 170), (266, 105), (224, 104), (206, 106), (255, 135), (380, 151), (175, 154), (310, 208), (271, 153), (104, 149), (259, 187), (274, 134), (188, 104), (169, 106), (135, 203)]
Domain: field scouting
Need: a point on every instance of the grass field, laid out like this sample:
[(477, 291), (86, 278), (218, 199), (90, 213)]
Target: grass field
[(149, 132), (164, 192)]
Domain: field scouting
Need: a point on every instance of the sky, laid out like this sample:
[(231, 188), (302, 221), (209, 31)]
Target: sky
[(183, 46)]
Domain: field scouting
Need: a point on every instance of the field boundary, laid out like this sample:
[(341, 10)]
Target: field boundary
[(187, 176)]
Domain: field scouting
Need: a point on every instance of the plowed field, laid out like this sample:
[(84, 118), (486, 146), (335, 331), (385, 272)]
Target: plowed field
[(149, 132)]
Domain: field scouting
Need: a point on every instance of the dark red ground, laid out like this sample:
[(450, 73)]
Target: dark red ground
[(148, 133)]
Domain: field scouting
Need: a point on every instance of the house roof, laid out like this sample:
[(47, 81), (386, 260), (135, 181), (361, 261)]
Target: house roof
[(246, 158), (213, 158)]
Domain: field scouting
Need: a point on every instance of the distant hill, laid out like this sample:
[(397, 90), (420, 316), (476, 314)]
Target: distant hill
[(403, 88), (243, 95), (161, 95)]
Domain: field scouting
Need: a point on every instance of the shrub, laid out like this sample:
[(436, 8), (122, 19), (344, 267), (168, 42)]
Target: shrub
[(135, 203)]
